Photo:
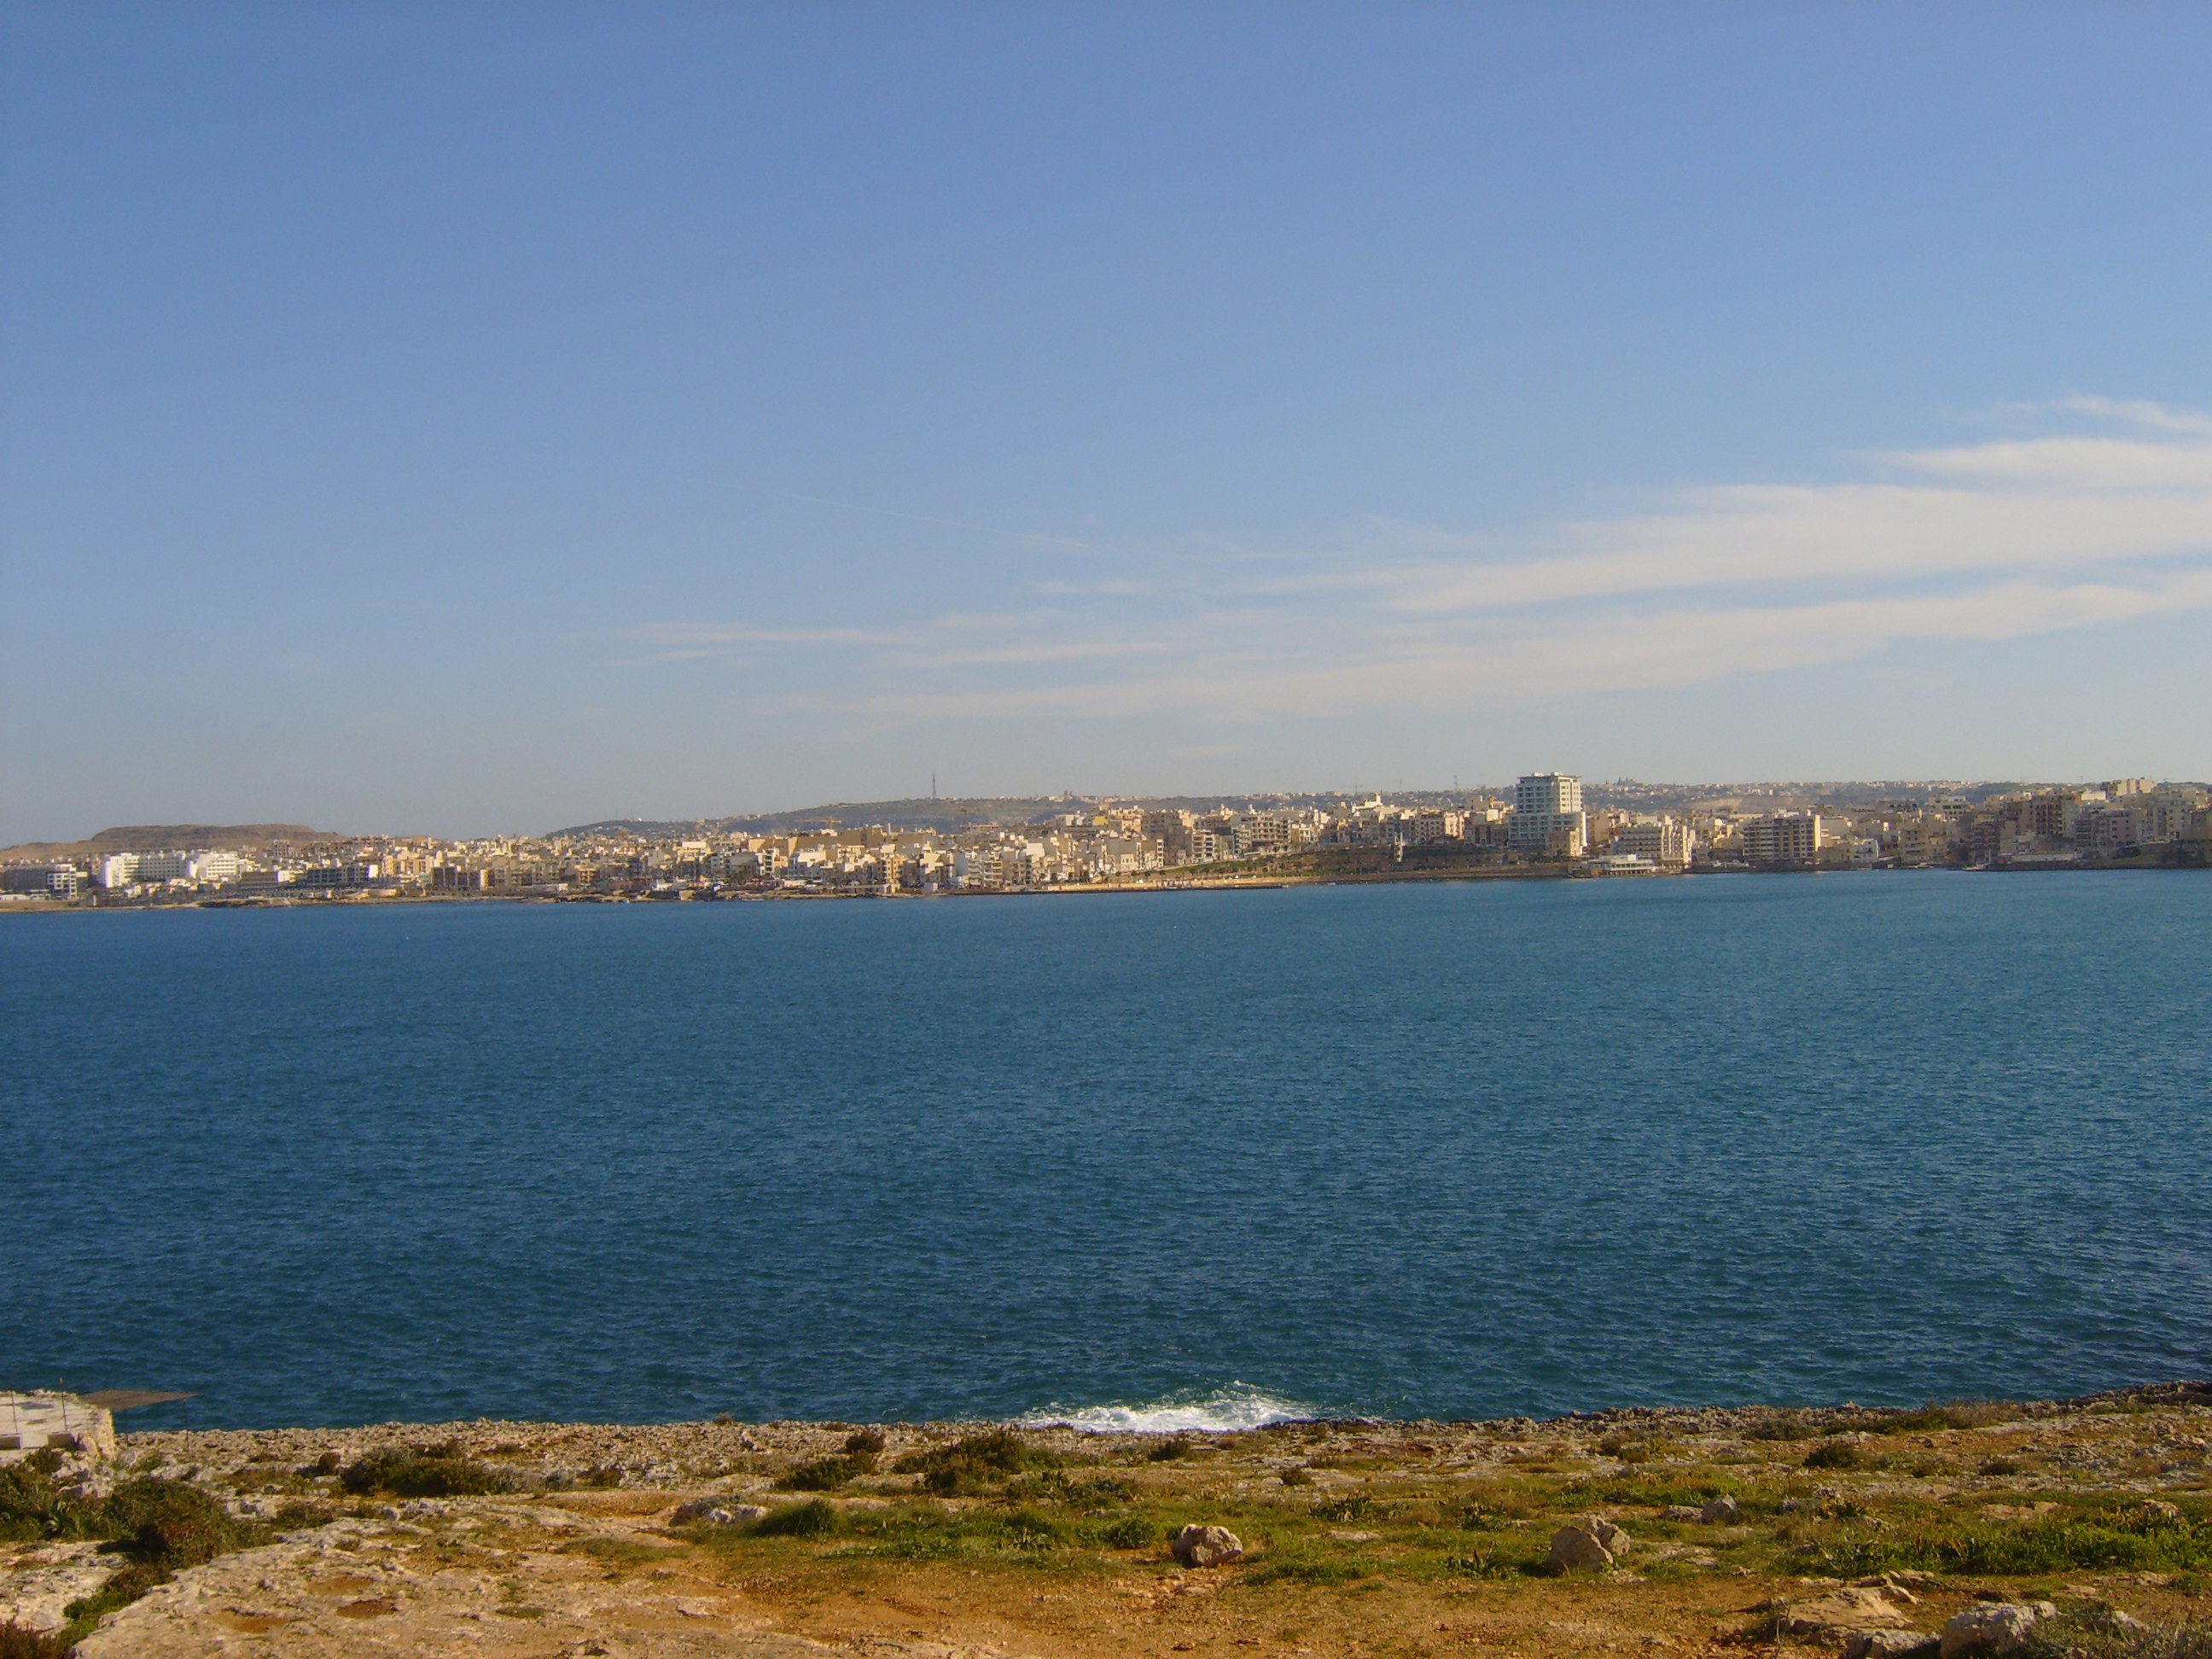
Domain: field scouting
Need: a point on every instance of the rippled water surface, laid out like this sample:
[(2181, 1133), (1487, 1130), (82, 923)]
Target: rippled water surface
[(1449, 1151)]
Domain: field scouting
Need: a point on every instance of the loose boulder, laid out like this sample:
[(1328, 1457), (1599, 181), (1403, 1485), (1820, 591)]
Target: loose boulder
[(1199, 1545), (1720, 1512), (1591, 1540), (1848, 1609), (1993, 1629)]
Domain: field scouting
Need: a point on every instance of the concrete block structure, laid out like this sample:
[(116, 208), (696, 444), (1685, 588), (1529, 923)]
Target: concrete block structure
[(32, 1422)]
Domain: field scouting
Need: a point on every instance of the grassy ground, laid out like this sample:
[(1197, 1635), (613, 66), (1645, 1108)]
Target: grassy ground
[(1360, 1538)]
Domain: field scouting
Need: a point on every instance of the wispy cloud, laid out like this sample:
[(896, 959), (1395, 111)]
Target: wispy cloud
[(2015, 537)]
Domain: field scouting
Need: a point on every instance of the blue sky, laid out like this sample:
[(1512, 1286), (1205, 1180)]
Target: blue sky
[(466, 418)]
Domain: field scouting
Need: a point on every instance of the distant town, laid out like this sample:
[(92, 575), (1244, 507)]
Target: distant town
[(1548, 824)]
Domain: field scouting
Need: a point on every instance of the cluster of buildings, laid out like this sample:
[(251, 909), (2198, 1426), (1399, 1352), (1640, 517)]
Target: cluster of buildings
[(1547, 825)]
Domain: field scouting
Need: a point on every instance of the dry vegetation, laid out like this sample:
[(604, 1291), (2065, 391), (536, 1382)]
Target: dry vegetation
[(1362, 1538)]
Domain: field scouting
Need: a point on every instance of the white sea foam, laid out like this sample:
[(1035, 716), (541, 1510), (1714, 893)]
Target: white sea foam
[(1239, 1406)]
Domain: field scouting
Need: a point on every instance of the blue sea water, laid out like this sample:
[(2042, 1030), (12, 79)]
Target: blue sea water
[(1449, 1151)]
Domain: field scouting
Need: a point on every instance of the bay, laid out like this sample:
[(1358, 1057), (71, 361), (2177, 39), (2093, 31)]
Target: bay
[(1454, 1149)]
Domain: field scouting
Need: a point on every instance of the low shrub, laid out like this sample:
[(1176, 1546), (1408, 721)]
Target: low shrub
[(1170, 1450), (1954, 1414), (299, 1517), (2002, 1466), (823, 1474), (1783, 1425), (1296, 1477), (1131, 1532), (21, 1642), (31, 1506), (1358, 1506), (1033, 1529), (816, 1519), (169, 1524), (974, 1462), (441, 1471), (1835, 1455)]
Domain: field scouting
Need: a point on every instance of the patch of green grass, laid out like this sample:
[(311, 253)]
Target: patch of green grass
[(2093, 1633), (2055, 1545), (620, 1552), (1492, 1562), (1301, 1569), (1025, 1533), (1059, 1486), (1130, 1532), (1660, 1492)]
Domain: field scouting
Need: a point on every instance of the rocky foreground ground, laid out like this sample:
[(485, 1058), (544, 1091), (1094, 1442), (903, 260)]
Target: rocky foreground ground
[(2081, 1527)]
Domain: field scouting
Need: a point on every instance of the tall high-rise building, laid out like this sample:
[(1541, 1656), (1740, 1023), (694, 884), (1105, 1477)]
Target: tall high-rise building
[(1547, 815)]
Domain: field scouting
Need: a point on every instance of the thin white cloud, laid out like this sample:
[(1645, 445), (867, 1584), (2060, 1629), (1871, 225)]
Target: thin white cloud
[(2011, 538), (709, 634)]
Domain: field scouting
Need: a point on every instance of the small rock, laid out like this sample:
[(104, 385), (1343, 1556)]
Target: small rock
[(1893, 1645), (1994, 1628), (1681, 1512), (1891, 1586), (1197, 1546), (713, 1512), (1846, 1609), (2112, 1622), (1720, 1512)]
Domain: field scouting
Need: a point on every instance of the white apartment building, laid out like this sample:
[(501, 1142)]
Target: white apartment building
[(215, 867), (116, 870), (1666, 842), (1547, 815)]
